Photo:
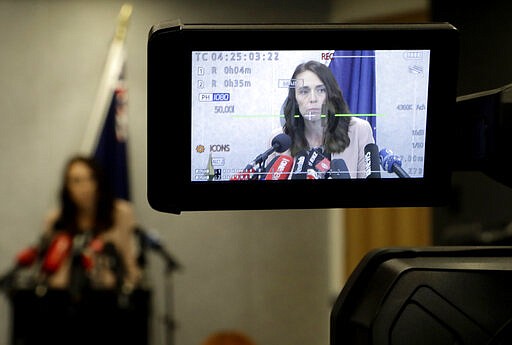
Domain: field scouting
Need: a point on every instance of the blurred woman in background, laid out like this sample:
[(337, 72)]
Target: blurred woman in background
[(105, 225)]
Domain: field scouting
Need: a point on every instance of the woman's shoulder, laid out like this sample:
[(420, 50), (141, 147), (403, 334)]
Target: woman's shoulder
[(361, 130), (50, 218), (124, 214), (123, 207), (359, 123), (53, 214)]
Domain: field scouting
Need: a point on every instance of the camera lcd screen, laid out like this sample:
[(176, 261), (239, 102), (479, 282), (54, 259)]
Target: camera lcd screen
[(287, 116), (238, 104)]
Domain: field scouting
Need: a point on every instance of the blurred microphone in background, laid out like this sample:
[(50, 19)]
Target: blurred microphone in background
[(151, 240), (26, 259)]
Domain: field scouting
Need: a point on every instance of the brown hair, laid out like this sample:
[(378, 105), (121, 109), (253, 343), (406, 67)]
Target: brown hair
[(67, 220)]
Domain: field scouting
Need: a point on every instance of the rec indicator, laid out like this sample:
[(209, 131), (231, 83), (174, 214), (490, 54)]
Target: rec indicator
[(214, 97)]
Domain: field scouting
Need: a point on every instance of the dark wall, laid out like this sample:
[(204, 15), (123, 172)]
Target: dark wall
[(486, 41), (478, 205)]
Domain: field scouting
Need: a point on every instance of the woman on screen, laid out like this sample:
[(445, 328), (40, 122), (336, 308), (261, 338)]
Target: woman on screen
[(316, 118)]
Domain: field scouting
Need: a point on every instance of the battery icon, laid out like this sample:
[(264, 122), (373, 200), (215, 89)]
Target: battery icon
[(413, 55)]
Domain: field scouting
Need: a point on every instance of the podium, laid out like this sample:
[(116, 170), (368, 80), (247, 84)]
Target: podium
[(97, 317)]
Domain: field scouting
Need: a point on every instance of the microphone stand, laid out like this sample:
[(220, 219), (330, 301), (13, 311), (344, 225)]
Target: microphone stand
[(171, 265), (170, 324)]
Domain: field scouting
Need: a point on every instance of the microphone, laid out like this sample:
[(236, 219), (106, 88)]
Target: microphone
[(25, 258), (371, 157), (266, 167), (280, 143), (317, 165), (280, 169), (323, 164), (28, 256), (115, 262), (339, 169), (392, 163), (80, 263), (95, 246), (300, 167), (312, 174), (151, 241), (57, 252), (310, 165)]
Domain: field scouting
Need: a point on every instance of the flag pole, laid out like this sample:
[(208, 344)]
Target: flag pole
[(110, 76)]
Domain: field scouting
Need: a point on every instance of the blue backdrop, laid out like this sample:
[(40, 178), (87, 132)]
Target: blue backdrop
[(354, 71)]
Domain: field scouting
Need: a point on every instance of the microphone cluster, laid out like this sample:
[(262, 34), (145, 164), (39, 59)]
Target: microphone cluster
[(255, 170), (315, 164), (311, 165), (46, 258)]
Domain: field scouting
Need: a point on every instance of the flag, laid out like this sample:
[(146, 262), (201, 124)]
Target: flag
[(105, 137), (112, 148)]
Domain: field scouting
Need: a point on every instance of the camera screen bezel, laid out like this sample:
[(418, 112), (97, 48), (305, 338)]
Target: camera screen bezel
[(170, 46)]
